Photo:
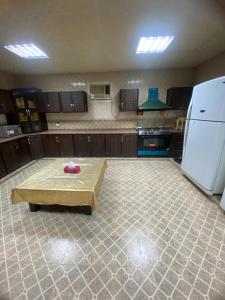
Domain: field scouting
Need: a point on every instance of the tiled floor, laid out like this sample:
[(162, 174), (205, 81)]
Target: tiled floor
[(157, 237)]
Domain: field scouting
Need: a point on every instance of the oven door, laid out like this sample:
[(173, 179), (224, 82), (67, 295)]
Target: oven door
[(153, 145)]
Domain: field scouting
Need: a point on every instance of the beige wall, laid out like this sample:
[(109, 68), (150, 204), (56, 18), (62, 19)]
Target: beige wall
[(7, 81), (108, 110), (214, 67)]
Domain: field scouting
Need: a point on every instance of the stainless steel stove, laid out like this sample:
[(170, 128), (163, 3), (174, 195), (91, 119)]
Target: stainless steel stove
[(153, 141), (153, 131)]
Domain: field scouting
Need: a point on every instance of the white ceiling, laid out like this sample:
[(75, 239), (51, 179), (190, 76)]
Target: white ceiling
[(102, 35)]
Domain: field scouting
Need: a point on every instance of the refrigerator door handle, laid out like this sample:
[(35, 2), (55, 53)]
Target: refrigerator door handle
[(187, 127)]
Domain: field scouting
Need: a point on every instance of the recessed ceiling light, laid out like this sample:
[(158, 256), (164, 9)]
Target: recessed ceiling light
[(154, 44), (26, 51)]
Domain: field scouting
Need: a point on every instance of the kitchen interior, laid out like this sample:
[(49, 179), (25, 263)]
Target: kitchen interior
[(94, 85)]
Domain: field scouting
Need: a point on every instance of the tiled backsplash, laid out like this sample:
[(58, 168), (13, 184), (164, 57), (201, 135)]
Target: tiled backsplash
[(113, 124)]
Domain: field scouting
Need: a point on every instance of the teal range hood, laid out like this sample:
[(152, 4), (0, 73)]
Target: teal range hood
[(153, 103)]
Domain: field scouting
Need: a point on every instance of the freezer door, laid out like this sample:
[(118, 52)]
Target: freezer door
[(208, 100), (203, 148)]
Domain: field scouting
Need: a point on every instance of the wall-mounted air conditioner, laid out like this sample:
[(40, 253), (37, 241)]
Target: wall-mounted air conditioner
[(100, 91)]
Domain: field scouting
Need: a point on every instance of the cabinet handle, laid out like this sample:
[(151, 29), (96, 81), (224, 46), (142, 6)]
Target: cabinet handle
[(57, 139), (89, 139), (121, 139), (48, 105), (28, 140), (17, 147), (71, 105), (121, 105)]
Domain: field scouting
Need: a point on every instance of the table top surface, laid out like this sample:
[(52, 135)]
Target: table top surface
[(53, 178)]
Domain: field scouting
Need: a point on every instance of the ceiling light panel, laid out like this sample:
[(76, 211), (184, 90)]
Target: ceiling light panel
[(154, 44), (26, 51)]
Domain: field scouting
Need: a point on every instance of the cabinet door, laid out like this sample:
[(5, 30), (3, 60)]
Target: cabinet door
[(10, 154), (6, 102), (82, 145), (65, 143), (66, 101), (179, 97), (129, 99), (41, 101), (97, 145), (129, 145), (53, 105), (24, 153), (79, 99), (36, 146), (176, 144), (50, 146), (2, 167), (30, 100), (113, 145)]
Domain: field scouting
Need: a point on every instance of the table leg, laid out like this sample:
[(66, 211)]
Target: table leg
[(88, 210), (34, 207)]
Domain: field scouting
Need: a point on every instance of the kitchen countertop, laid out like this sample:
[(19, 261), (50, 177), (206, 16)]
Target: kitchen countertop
[(73, 131)]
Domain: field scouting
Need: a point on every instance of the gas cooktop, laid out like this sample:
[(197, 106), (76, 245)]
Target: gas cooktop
[(153, 131)]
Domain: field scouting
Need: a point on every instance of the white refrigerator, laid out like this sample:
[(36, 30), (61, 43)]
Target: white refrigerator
[(203, 159)]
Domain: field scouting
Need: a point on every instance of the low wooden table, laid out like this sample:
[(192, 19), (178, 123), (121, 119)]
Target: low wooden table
[(51, 185)]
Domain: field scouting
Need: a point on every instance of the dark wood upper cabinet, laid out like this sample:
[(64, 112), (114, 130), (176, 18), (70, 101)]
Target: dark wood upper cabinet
[(53, 104), (113, 144), (6, 102), (129, 145), (41, 101), (179, 97), (97, 145), (27, 113), (36, 146), (79, 100), (3, 171), (65, 144), (48, 102), (75, 101), (66, 101), (129, 99)]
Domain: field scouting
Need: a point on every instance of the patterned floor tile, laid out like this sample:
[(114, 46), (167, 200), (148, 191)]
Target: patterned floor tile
[(156, 237)]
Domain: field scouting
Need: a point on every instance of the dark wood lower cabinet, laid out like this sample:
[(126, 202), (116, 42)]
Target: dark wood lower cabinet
[(113, 145), (176, 145), (121, 145), (58, 145), (16, 153), (129, 145), (36, 146), (97, 145), (50, 146), (3, 171), (89, 145), (24, 153), (65, 144), (81, 142)]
